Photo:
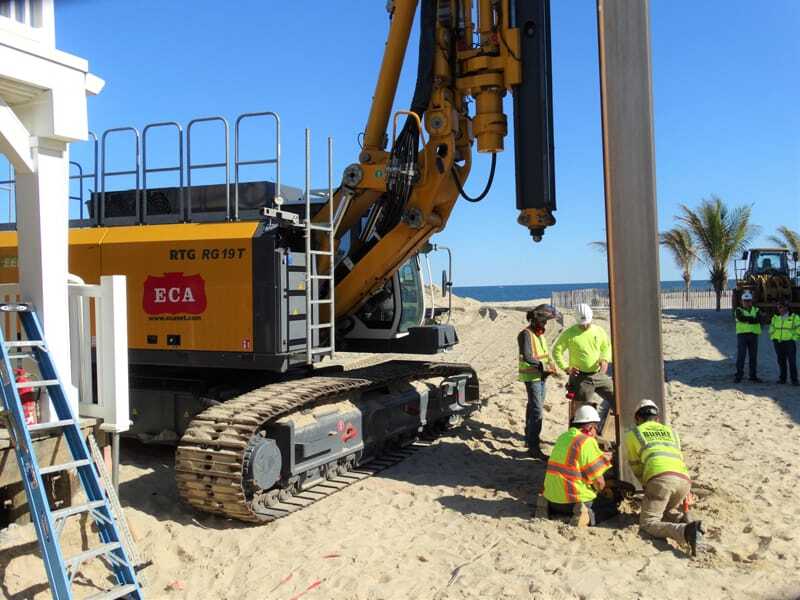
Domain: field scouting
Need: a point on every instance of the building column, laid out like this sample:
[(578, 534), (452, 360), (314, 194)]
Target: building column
[(43, 234)]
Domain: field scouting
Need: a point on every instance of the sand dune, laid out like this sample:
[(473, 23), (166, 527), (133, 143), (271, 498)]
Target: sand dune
[(454, 520)]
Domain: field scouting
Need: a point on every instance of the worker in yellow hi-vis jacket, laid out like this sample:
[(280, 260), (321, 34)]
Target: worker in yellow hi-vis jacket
[(535, 365), (748, 330), (784, 330), (654, 454), (589, 349)]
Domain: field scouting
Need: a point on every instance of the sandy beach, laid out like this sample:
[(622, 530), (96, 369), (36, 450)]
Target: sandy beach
[(455, 519)]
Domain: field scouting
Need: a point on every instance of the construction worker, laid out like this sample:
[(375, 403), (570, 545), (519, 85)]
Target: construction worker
[(589, 354), (784, 329), (654, 454), (535, 365), (748, 328), (575, 473)]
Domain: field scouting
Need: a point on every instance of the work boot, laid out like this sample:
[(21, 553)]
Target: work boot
[(537, 453), (542, 508), (581, 516), (694, 535), (756, 380)]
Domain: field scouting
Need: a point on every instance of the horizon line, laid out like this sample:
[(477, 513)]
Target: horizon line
[(570, 283)]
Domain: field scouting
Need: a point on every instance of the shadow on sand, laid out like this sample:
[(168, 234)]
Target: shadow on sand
[(80, 582), (719, 374), (511, 479), (154, 492), (9, 554)]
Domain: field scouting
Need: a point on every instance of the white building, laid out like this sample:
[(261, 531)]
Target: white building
[(42, 109)]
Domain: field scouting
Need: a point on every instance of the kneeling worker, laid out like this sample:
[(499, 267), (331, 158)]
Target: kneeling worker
[(575, 472), (654, 454)]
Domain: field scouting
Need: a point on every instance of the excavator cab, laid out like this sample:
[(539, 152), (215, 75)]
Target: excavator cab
[(394, 319)]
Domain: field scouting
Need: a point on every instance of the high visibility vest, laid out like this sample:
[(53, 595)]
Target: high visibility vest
[(742, 327), (575, 461), (586, 348), (784, 329), (527, 371), (654, 449)]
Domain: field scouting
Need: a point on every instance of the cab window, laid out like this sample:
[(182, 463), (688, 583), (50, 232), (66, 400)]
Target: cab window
[(411, 296), (770, 261)]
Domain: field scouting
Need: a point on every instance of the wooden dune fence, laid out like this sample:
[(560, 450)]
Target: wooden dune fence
[(598, 298)]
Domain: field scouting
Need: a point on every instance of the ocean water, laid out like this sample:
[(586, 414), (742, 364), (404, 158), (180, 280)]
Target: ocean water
[(511, 293)]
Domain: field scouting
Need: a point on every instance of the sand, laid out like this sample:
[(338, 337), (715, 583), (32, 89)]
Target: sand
[(454, 520)]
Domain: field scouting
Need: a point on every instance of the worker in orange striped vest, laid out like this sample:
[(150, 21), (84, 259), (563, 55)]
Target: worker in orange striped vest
[(575, 473), (654, 454)]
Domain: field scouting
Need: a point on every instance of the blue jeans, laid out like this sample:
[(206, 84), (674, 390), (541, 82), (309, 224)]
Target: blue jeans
[(534, 413)]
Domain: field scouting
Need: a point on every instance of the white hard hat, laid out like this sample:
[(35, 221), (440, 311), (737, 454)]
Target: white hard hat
[(583, 314), (647, 404), (747, 295), (586, 414)]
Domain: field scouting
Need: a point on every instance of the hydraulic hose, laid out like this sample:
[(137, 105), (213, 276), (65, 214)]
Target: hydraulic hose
[(485, 190)]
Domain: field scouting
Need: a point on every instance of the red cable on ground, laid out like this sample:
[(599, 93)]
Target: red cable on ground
[(313, 586)]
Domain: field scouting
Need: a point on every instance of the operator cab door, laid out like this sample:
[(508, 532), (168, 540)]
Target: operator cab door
[(394, 310), (392, 320)]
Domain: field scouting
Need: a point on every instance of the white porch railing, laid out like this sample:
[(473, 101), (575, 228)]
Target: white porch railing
[(100, 361), (107, 302)]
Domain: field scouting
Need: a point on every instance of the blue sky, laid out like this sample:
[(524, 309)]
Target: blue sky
[(726, 95)]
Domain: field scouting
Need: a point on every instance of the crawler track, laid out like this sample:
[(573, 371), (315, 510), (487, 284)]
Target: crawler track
[(209, 460)]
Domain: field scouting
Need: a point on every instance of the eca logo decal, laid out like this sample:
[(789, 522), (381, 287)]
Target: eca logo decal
[(174, 293)]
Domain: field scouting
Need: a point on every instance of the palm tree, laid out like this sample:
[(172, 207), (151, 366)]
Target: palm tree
[(600, 245), (786, 238), (679, 241), (720, 233)]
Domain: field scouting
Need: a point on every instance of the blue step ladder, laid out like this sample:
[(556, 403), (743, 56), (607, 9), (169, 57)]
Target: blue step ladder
[(50, 523)]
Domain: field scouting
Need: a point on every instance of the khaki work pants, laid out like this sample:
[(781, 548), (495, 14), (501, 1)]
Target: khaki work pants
[(662, 497), (589, 384), (586, 385)]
